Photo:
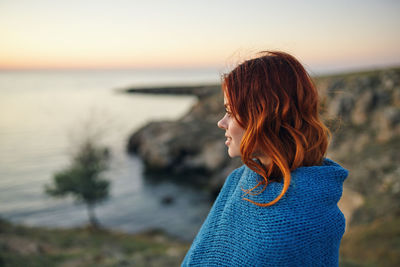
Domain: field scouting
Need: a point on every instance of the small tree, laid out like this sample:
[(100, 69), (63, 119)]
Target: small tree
[(82, 179)]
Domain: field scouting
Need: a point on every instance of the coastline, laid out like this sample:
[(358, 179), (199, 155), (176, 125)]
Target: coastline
[(196, 90)]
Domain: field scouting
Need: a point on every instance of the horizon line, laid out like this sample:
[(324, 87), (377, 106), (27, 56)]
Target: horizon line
[(323, 71)]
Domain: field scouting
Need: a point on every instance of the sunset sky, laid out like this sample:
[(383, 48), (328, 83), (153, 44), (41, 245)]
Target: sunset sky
[(325, 35)]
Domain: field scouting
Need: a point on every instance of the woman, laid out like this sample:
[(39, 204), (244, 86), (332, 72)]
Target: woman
[(280, 207)]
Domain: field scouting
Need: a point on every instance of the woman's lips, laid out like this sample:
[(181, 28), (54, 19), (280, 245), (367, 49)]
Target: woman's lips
[(228, 140)]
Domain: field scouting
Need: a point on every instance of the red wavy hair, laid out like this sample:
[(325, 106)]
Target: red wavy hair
[(274, 99)]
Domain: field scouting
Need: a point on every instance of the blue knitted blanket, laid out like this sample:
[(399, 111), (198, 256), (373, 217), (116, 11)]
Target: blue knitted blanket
[(304, 228)]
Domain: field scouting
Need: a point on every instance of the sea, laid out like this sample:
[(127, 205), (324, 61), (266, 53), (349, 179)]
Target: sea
[(44, 114)]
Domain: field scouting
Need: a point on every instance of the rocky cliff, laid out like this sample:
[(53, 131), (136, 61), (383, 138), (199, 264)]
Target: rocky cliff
[(190, 149), (363, 110)]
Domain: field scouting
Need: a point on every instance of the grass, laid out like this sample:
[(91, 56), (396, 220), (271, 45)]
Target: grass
[(32, 246)]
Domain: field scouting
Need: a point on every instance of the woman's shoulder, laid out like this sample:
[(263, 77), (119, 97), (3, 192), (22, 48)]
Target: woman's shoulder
[(314, 184), (323, 182)]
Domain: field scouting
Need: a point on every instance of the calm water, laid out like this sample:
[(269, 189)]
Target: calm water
[(42, 116)]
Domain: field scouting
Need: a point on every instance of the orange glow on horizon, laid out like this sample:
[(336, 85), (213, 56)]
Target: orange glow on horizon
[(100, 65), (63, 62)]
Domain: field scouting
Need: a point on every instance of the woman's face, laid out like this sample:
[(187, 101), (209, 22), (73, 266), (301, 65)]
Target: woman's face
[(233, 131)]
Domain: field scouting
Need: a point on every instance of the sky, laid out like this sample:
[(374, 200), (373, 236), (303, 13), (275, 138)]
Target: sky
[(324, 35)]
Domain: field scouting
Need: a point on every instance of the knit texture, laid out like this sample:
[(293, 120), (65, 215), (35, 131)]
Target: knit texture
[(303, 228)]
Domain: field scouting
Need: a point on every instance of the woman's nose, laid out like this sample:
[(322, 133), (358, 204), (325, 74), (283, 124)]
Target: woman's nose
[(221, 123)]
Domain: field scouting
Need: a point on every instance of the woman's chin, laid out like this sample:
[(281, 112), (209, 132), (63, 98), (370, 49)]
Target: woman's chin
[(232, 154)]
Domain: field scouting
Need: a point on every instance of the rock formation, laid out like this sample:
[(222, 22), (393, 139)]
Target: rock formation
[(191, 148)]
